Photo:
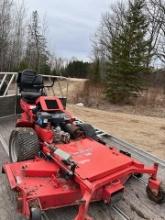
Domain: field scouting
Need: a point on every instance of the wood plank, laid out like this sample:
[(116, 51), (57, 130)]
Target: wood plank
[(137, 205)]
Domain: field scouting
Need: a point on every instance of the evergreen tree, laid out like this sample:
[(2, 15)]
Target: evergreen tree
[(78, 69), (36, 51), (128, 55)]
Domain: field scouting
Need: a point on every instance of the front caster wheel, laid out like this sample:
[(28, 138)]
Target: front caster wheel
[(159, 198), (35, 214)]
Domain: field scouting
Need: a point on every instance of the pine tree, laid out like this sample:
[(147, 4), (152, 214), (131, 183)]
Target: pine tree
[(128, 55), (36, 51)]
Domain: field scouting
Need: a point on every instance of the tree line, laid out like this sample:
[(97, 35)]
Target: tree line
[(128, 43)]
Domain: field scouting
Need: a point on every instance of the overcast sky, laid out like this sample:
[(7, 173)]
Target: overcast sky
[(71, 24)]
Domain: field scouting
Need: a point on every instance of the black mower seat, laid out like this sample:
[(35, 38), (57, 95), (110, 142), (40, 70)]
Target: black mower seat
[(30, 96), (31, 85)]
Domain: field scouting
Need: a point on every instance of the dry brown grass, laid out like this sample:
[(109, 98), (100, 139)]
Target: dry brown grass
[(75, 86), (92, 95), (152, 97), (150, 102)]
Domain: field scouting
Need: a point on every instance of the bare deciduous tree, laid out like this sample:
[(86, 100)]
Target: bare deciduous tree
[(17, 36), (5, 27), (17, 48), (57, 65)]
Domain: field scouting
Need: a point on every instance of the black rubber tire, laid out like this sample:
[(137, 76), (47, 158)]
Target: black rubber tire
[(24, 142), (35, 214), (160, 198), (138, 175), (88, 130)]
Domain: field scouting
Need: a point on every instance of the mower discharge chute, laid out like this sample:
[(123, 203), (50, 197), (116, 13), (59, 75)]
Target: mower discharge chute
[(56, 162)]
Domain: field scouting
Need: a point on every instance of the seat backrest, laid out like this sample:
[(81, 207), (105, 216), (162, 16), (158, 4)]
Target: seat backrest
[(30, 85), (30, 81)]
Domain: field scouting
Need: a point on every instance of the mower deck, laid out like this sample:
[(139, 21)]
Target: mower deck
[(39, 183)]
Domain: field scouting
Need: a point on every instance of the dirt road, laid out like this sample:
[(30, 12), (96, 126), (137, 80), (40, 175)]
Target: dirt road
[(145, 132)]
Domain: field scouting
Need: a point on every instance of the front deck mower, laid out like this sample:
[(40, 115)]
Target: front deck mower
[(56, 162)]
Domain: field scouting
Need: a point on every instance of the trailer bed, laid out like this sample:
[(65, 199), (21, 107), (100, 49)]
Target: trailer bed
[(134, 205)]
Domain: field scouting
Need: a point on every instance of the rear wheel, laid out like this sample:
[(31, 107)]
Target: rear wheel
[(23, 144), (88, 130)]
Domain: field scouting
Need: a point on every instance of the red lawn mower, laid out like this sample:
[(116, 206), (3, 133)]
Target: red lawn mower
[(56, 162)]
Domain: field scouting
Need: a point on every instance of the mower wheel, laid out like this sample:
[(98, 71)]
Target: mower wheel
[(160, 198), (88, 130), (138, 175), (23, 144), (35, 214)]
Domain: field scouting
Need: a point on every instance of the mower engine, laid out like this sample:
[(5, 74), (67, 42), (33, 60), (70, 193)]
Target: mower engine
[(53, 123)]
